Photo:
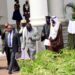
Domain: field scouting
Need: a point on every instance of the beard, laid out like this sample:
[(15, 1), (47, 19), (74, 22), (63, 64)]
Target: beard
[(29, 29)]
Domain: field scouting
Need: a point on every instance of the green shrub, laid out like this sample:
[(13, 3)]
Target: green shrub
[(50, 63)]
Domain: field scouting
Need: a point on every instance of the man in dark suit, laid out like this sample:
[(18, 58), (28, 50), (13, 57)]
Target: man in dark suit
[(12, 44), (46, 30)]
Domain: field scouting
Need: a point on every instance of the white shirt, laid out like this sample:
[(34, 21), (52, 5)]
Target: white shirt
[(71, 27)]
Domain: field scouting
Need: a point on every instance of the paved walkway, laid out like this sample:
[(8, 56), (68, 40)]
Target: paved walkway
[(3, 65)]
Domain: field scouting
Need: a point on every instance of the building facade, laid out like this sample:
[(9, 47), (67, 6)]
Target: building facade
[(38, 10)]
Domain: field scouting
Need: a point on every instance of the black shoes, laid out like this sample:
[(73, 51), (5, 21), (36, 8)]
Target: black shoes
[(9, 72), (15, 70)]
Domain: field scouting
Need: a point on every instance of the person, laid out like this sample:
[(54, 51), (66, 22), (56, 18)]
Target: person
[(71, 34), (30, 36), (12, 45), (23, 24), (0, 32), (24, 54), (26, 10), (5, 30), (16, 14), (46, 31), (55, 36), (5, 49), (1, 42)]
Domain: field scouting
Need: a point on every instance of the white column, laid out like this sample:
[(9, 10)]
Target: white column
[(56, 8), (38, 11), (1, 8), (3, 11), (69, 11)]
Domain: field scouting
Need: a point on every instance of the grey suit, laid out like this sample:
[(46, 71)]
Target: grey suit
[(29, 40)]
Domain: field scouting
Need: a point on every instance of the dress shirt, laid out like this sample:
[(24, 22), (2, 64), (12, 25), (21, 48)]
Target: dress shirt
[(10, 36)]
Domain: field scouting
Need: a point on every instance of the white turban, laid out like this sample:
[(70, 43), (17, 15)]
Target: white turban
[(54, 29)]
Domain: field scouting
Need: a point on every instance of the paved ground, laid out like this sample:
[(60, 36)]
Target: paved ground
[(3, 66)]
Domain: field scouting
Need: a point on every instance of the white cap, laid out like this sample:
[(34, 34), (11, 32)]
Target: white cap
[(23, 21)]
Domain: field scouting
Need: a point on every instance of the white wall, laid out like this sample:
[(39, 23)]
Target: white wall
[(10, 9)]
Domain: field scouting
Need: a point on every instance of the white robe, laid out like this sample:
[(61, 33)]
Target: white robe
[(71, 27), (54, 29), (24, 54)]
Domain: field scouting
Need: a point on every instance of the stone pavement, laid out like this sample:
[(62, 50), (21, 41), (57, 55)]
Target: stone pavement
[(3, 66)]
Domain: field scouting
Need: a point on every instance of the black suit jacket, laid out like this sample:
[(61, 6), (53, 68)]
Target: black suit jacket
[(15, 42), (45, 32)]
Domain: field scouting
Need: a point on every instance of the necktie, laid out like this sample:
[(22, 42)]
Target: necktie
[(10, 40)]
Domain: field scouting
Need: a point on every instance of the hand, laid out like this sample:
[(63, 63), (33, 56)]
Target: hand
[(5, 30)]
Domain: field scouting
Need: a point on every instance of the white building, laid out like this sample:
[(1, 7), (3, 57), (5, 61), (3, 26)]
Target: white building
[(38, 10)]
